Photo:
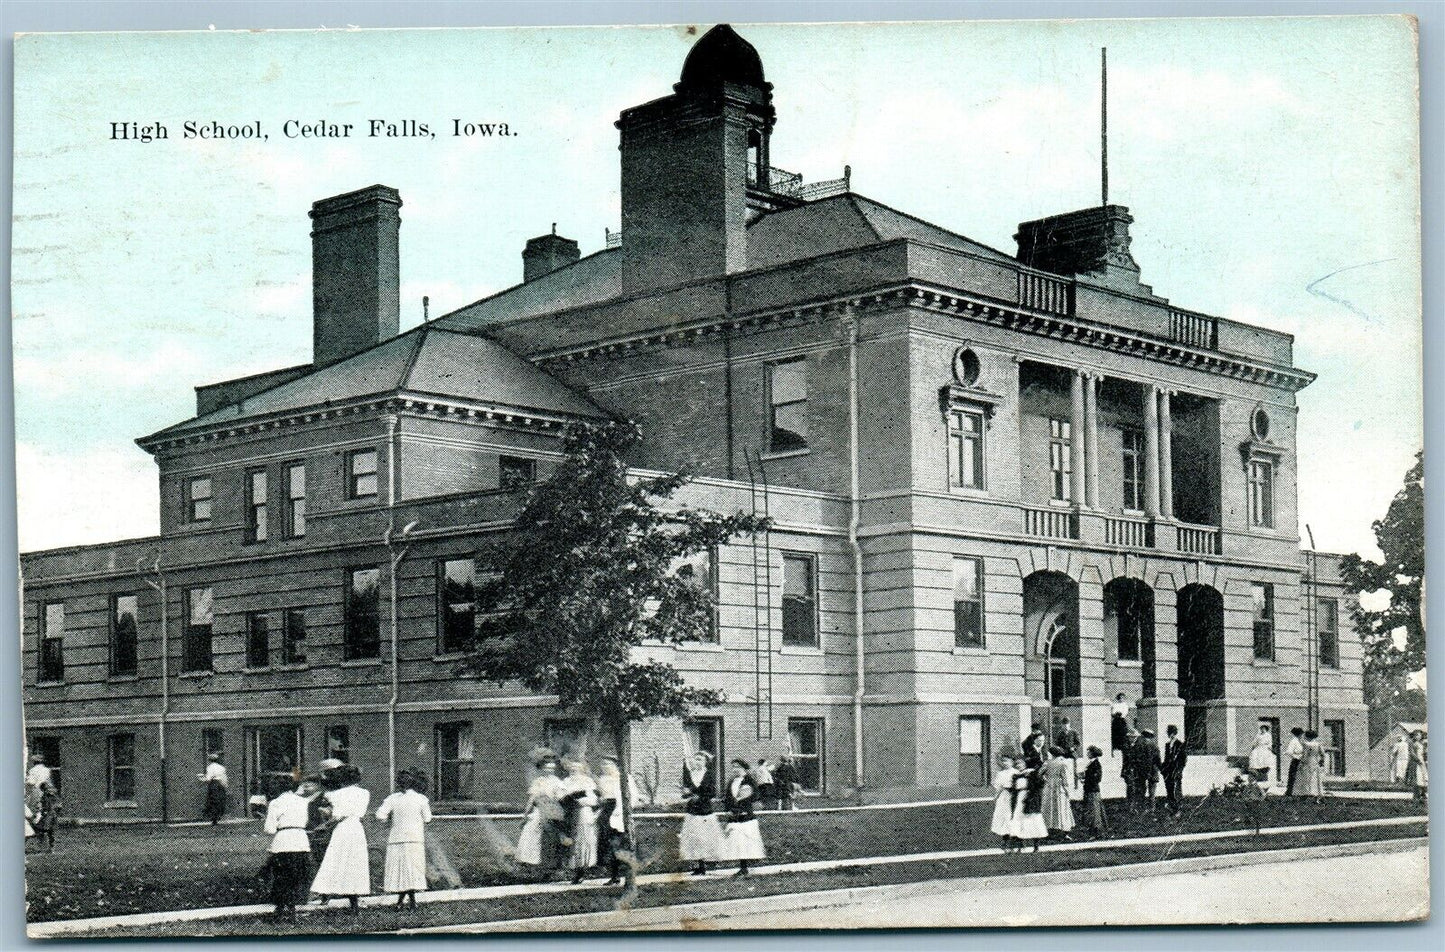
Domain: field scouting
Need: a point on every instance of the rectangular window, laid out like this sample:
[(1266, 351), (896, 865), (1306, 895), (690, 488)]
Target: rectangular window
[(361, 474), (1328, 624), (51, 663), (1129, 620), (515, 471), (48, 750), (273, 758), (295, 500), (1133, 469), (800, 600), (967, 603), (200, 606), (338, 742), (363, 614), (698, 569), (973, 750), (454, 760), (805, 738), (457, 608), (213, 744), (788, 406), (258, 640), (124, 637), (256, 505), (965, 449), (706, 734), (293, 636), (1335, 734), (1261, 494), (1061, 464), (1263, 620), (198, 499), (120, 768)]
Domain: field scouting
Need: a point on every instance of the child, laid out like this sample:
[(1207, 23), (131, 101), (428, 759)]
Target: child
[(1028, 818), (1003, 807), (1094, 819), (409, 811)]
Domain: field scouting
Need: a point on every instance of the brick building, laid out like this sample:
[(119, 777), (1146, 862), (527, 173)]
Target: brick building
[(1005, 488)]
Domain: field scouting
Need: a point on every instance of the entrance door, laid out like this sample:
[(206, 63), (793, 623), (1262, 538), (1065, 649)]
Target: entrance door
[(1336, 731), (273, 758), (706, 734), (973, 754), (1273, 724)]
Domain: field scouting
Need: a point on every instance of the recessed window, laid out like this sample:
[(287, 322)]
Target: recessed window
[(966, 367), (1133, 446), (198, 499), (513, 471), (455, 760), (50, 667), (1061, 464), (1263, 596), (200, 616), (124, 627), (788, 406), (1261, 494), (295, 500), (120, 768), (338, 743), (1259, 424), (697, 569), (258, 640), (967, 602), (213, 744), (361, 474), (256, 505), (965, 449), (805, 737), (457, 605), (293, 636), (1327, 621), (800, 600), (363, 614)]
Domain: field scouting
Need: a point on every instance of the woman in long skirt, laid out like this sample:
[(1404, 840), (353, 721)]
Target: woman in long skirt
[(1261, 757), (701, 839), (346, 867), (408, 811), (1310, 781), (540, 843), (1094, 819), (743, 840), (579, 801), (1420, 767), (1058, 774), (1028, 819), (1003, 806)]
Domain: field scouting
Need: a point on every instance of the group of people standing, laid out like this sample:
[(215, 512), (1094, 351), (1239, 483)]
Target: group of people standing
[(42, 804), (319, 824), (1033, 800), (705, 837), (576, 821), (1409, 763)]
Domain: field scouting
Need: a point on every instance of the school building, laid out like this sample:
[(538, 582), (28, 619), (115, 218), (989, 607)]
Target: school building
[(1005, 486)]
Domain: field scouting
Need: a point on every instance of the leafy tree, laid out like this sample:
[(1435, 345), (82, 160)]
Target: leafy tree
[(589, 575), (1393, 636)]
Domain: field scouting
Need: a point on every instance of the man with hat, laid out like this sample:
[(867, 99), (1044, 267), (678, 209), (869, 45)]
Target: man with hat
[(1148, 766)]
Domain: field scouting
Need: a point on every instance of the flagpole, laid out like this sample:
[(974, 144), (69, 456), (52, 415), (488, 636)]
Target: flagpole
[(1104, 123)]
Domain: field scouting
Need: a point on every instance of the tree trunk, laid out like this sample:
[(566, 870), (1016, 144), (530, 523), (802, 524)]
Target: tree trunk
[(622, 743)]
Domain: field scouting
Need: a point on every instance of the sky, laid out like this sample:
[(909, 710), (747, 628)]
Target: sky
[(1271, 166)]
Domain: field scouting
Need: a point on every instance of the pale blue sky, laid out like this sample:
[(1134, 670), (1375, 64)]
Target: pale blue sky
[(1257, 157)]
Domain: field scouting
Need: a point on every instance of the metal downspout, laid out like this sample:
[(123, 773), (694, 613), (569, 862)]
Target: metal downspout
[(395, 559), (160, 587), (854, 517)]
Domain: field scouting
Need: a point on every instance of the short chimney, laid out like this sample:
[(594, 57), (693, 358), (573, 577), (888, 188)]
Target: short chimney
[(355, 272), (546, 254), (1091, 243)]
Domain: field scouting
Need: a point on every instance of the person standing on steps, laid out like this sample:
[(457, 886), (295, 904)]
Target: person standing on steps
[(1148, 767), (1119, 723), (1400, 760), (1261, 757)]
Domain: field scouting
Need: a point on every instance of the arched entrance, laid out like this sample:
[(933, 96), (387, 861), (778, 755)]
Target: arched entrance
[(1051, 630), (1129, 628), (1201, 660)]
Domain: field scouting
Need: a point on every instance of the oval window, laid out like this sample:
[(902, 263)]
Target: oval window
[(1259, 423), (966, 367)]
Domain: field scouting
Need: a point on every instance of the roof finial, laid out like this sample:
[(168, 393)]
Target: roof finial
[(425, 308), (554, 228), (1104, 123)]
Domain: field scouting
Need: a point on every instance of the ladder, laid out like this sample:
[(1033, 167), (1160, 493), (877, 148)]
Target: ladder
[(762, 600)]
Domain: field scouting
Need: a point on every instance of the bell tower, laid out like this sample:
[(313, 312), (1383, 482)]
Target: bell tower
[(688, 160)]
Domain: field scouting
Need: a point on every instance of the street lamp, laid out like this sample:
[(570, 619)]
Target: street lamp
[(397, 545)]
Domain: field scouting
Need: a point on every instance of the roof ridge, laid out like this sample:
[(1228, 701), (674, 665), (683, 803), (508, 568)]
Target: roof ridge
[(923, 221), (410, 364)]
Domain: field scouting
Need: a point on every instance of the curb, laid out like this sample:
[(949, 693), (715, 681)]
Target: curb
[(684, 916)]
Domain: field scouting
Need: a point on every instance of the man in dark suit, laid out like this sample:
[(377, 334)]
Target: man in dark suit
[(1148, 766), (1033, 747), (1129, 770), (1067, 738), (1176, 755)]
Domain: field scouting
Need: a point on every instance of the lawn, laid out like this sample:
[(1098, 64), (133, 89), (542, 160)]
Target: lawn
[(98, 871)]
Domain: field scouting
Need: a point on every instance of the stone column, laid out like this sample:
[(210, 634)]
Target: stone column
[(1166, 457), (1091, 437), (1151, 452), (1077, 428)]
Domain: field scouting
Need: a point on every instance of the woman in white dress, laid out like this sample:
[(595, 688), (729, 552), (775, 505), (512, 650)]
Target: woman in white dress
[(540, 841), (701, 839), (408, 811), (1028, 820), (743, 840), (1261, 758), (579, 801), (346, 867), (1003, 806)]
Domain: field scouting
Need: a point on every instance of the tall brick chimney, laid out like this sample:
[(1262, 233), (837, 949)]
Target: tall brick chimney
[(355, 272), (1091, 243), (547, 253)]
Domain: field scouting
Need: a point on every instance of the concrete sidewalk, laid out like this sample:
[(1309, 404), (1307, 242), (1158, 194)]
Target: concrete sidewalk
[(56, 928)]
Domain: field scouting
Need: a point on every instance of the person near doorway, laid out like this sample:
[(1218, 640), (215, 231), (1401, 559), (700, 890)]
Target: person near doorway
[(216, 783), (785, 779), (701, 839), (1311, 779), (1094, 820), (1067, 739), (1296, 752), (288, 860), (1133, 777), (1149, 762), (1119, 723), (1400, 760), (1420, 766), (1261, 756), (1003, 802), (1034, 746), (1176, 756)]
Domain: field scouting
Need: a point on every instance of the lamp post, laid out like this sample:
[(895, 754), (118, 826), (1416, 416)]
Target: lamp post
[(397, 546)]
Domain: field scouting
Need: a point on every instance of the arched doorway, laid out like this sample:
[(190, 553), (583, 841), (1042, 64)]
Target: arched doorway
[(1201, 660), (1129, 627), (1051, 628)]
